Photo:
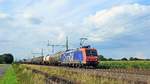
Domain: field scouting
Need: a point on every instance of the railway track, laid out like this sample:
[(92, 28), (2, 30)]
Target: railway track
[(122, 74), (128, 71), (134, 76)]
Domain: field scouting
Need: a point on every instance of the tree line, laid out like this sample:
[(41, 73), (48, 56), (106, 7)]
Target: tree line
[(102, 58), (6, 58)]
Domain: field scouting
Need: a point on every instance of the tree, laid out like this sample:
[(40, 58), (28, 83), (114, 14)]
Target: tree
[(1, 59), (8, 58), (132, 58), (102, 58), (124, 59), (110, 59)]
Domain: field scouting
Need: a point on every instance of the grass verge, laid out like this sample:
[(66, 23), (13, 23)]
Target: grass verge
[(9, 77), (25, 76)]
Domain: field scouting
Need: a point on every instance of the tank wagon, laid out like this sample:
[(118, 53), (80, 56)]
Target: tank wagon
[(37, 60), (53, 59)]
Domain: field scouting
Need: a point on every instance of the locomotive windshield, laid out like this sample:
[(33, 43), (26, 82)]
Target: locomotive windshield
[(91, 53)]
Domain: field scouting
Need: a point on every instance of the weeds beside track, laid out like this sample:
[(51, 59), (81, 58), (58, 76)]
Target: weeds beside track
[(94, 76)]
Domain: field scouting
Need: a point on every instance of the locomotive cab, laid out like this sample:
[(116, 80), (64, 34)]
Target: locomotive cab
[(90, 56)]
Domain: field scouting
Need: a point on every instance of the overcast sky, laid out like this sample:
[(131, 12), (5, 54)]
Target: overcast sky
[(117, 28)]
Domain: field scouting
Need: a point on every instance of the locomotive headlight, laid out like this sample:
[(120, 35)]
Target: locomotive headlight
[(96, 58)]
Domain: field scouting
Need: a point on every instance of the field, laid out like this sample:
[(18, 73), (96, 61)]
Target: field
[(124, 64), (108, 72)]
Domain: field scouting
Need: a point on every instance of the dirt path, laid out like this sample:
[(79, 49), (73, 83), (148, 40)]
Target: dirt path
[(3, 68)]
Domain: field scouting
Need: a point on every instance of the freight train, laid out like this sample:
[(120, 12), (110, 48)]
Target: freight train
[(84, 56)]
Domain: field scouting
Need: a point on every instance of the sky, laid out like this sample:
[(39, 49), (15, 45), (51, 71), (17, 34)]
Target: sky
[(116, 28)]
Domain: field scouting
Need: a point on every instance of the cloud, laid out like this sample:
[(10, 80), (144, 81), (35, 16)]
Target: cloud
[(140, 55), (1, 1), (30, 24), (3, 15), (108, 23)]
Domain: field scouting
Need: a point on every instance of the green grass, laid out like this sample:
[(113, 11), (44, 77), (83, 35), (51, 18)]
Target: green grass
[(124, 64), (25, 76), (9, 77)]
